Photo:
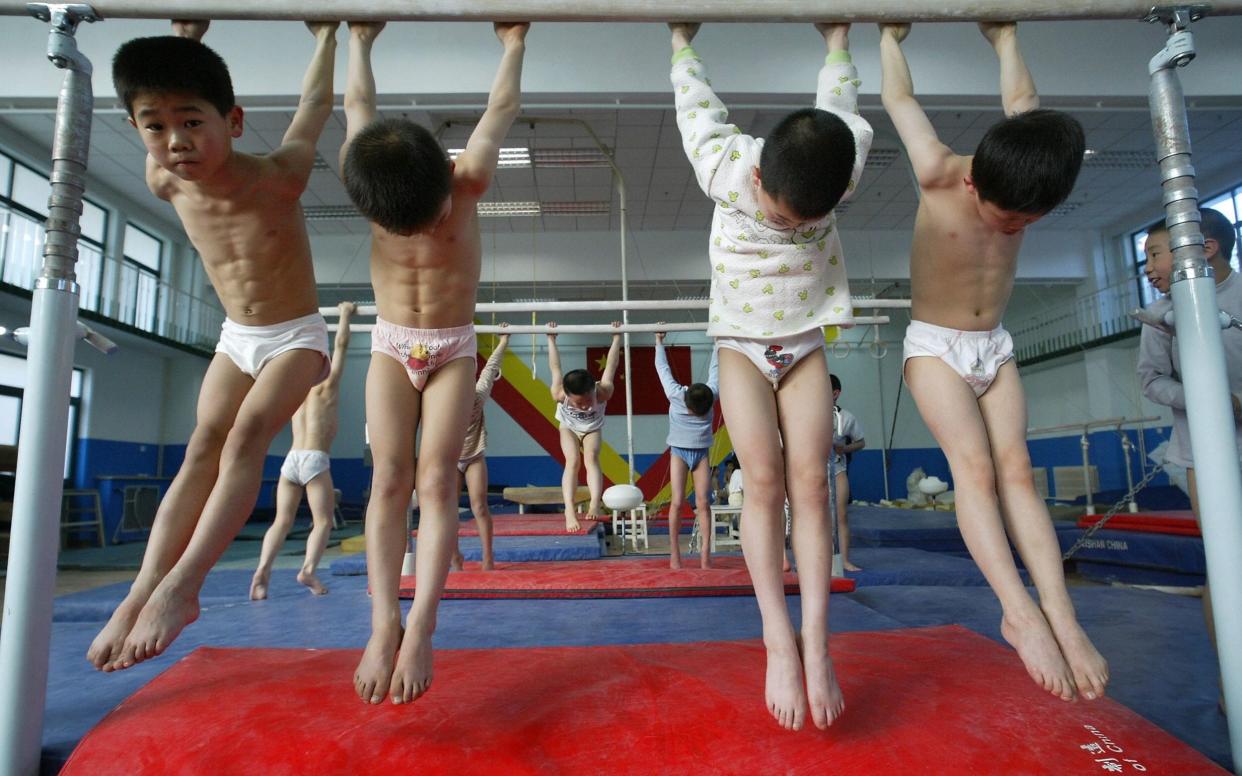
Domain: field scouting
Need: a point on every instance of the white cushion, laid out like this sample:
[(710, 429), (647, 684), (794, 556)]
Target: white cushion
[(622, 497)]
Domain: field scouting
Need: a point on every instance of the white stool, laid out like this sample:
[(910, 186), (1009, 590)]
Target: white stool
[(725, 517), (629, 514)]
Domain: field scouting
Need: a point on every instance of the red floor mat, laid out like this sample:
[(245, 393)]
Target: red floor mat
[(527, 525), (1178, 522), (930, 700), (621, 578)]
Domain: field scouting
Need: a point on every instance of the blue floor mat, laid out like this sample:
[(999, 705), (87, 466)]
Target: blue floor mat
[(1129, 575), (908, 566), (1161, 552), (891, 527)]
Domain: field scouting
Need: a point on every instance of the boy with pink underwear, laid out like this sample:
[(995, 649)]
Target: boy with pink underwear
[(243, 216), (778, 277), (425, 259), (580, 404), (973, 211)]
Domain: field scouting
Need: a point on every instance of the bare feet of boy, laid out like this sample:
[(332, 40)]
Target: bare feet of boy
[(458, 562), (374, 671), (1089, 667), (163, 618), (571, 522), (1041, 655), (106, 650), (674, 558), (823, 694), (783, 688), (308, 578), (850, 566), (705, 563), (785, 566), (411, 677), (258, 585)]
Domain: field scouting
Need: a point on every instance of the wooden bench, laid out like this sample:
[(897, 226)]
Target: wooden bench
[(529, 496)]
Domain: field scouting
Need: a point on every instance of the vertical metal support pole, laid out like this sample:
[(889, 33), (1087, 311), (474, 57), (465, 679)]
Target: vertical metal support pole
[(1202, 356), (35, 538), (1085, 443), (625, 318)]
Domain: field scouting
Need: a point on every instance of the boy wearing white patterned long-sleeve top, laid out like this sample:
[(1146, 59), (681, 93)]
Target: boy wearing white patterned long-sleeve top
[(778, 277)]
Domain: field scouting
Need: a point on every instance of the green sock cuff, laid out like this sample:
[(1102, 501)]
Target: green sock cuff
[(838, 57), (685, 53)]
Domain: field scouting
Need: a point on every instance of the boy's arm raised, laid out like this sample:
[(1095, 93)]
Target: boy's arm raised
[(606, 386), (478, 162), (296, 154), (359, 82), (929, 157), (837, 93), (554, 368), (340, 345), (1018, 93)]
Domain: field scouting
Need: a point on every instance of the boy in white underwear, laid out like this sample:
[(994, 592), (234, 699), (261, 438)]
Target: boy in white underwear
[(425, 258), (580, 403), (472, 464), (243, 216), (689, 443), (959, 365), (778, 277), (307, 468), (847, 439)]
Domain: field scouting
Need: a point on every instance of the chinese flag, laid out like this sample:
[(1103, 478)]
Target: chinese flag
[(648, 393)]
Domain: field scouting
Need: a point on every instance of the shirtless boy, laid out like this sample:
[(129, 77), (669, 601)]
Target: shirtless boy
[(307, 467), (580, 403), (242, 214), (425, 259), (959, 361)]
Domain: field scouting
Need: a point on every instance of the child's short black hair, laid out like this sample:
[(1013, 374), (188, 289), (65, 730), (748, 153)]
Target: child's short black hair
[(699, 399), (397, 175), (836, 382), (171, 64), (1028, 163), (1215, 226), (807, 161), (578, 382)]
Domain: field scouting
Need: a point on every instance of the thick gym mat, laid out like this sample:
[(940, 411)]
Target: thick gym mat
[(910, 707)]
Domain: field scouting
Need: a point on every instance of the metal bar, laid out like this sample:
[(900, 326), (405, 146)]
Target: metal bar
[(35, 535), (1202, 364), (1110, 422), (633, 305), (630, 10), (589, 328)]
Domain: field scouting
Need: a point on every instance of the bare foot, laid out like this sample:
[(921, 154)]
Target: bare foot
[(674, 560), (785, 566), (374, 671), (705, 563), (571, 523), (1089, 667), (167, 612), (1041, 655), (850, 566), (412, 676), (823, 694), (108, 646), (309, 579), (258, 585), (488, 564), (783, 690), (458, 562)]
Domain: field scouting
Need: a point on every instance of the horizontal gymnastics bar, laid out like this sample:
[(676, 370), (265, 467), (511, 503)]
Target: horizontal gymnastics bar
[(602, 328), (632, 305), (630, 10), (1090, 424)]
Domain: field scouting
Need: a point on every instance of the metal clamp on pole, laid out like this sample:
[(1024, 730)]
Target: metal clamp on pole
[(35, 534), (1202, 359), (21, 335)]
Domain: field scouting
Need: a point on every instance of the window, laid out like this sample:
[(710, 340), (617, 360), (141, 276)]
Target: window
[(12, 390), (1228, 203), (140, 278), (23, 210)]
